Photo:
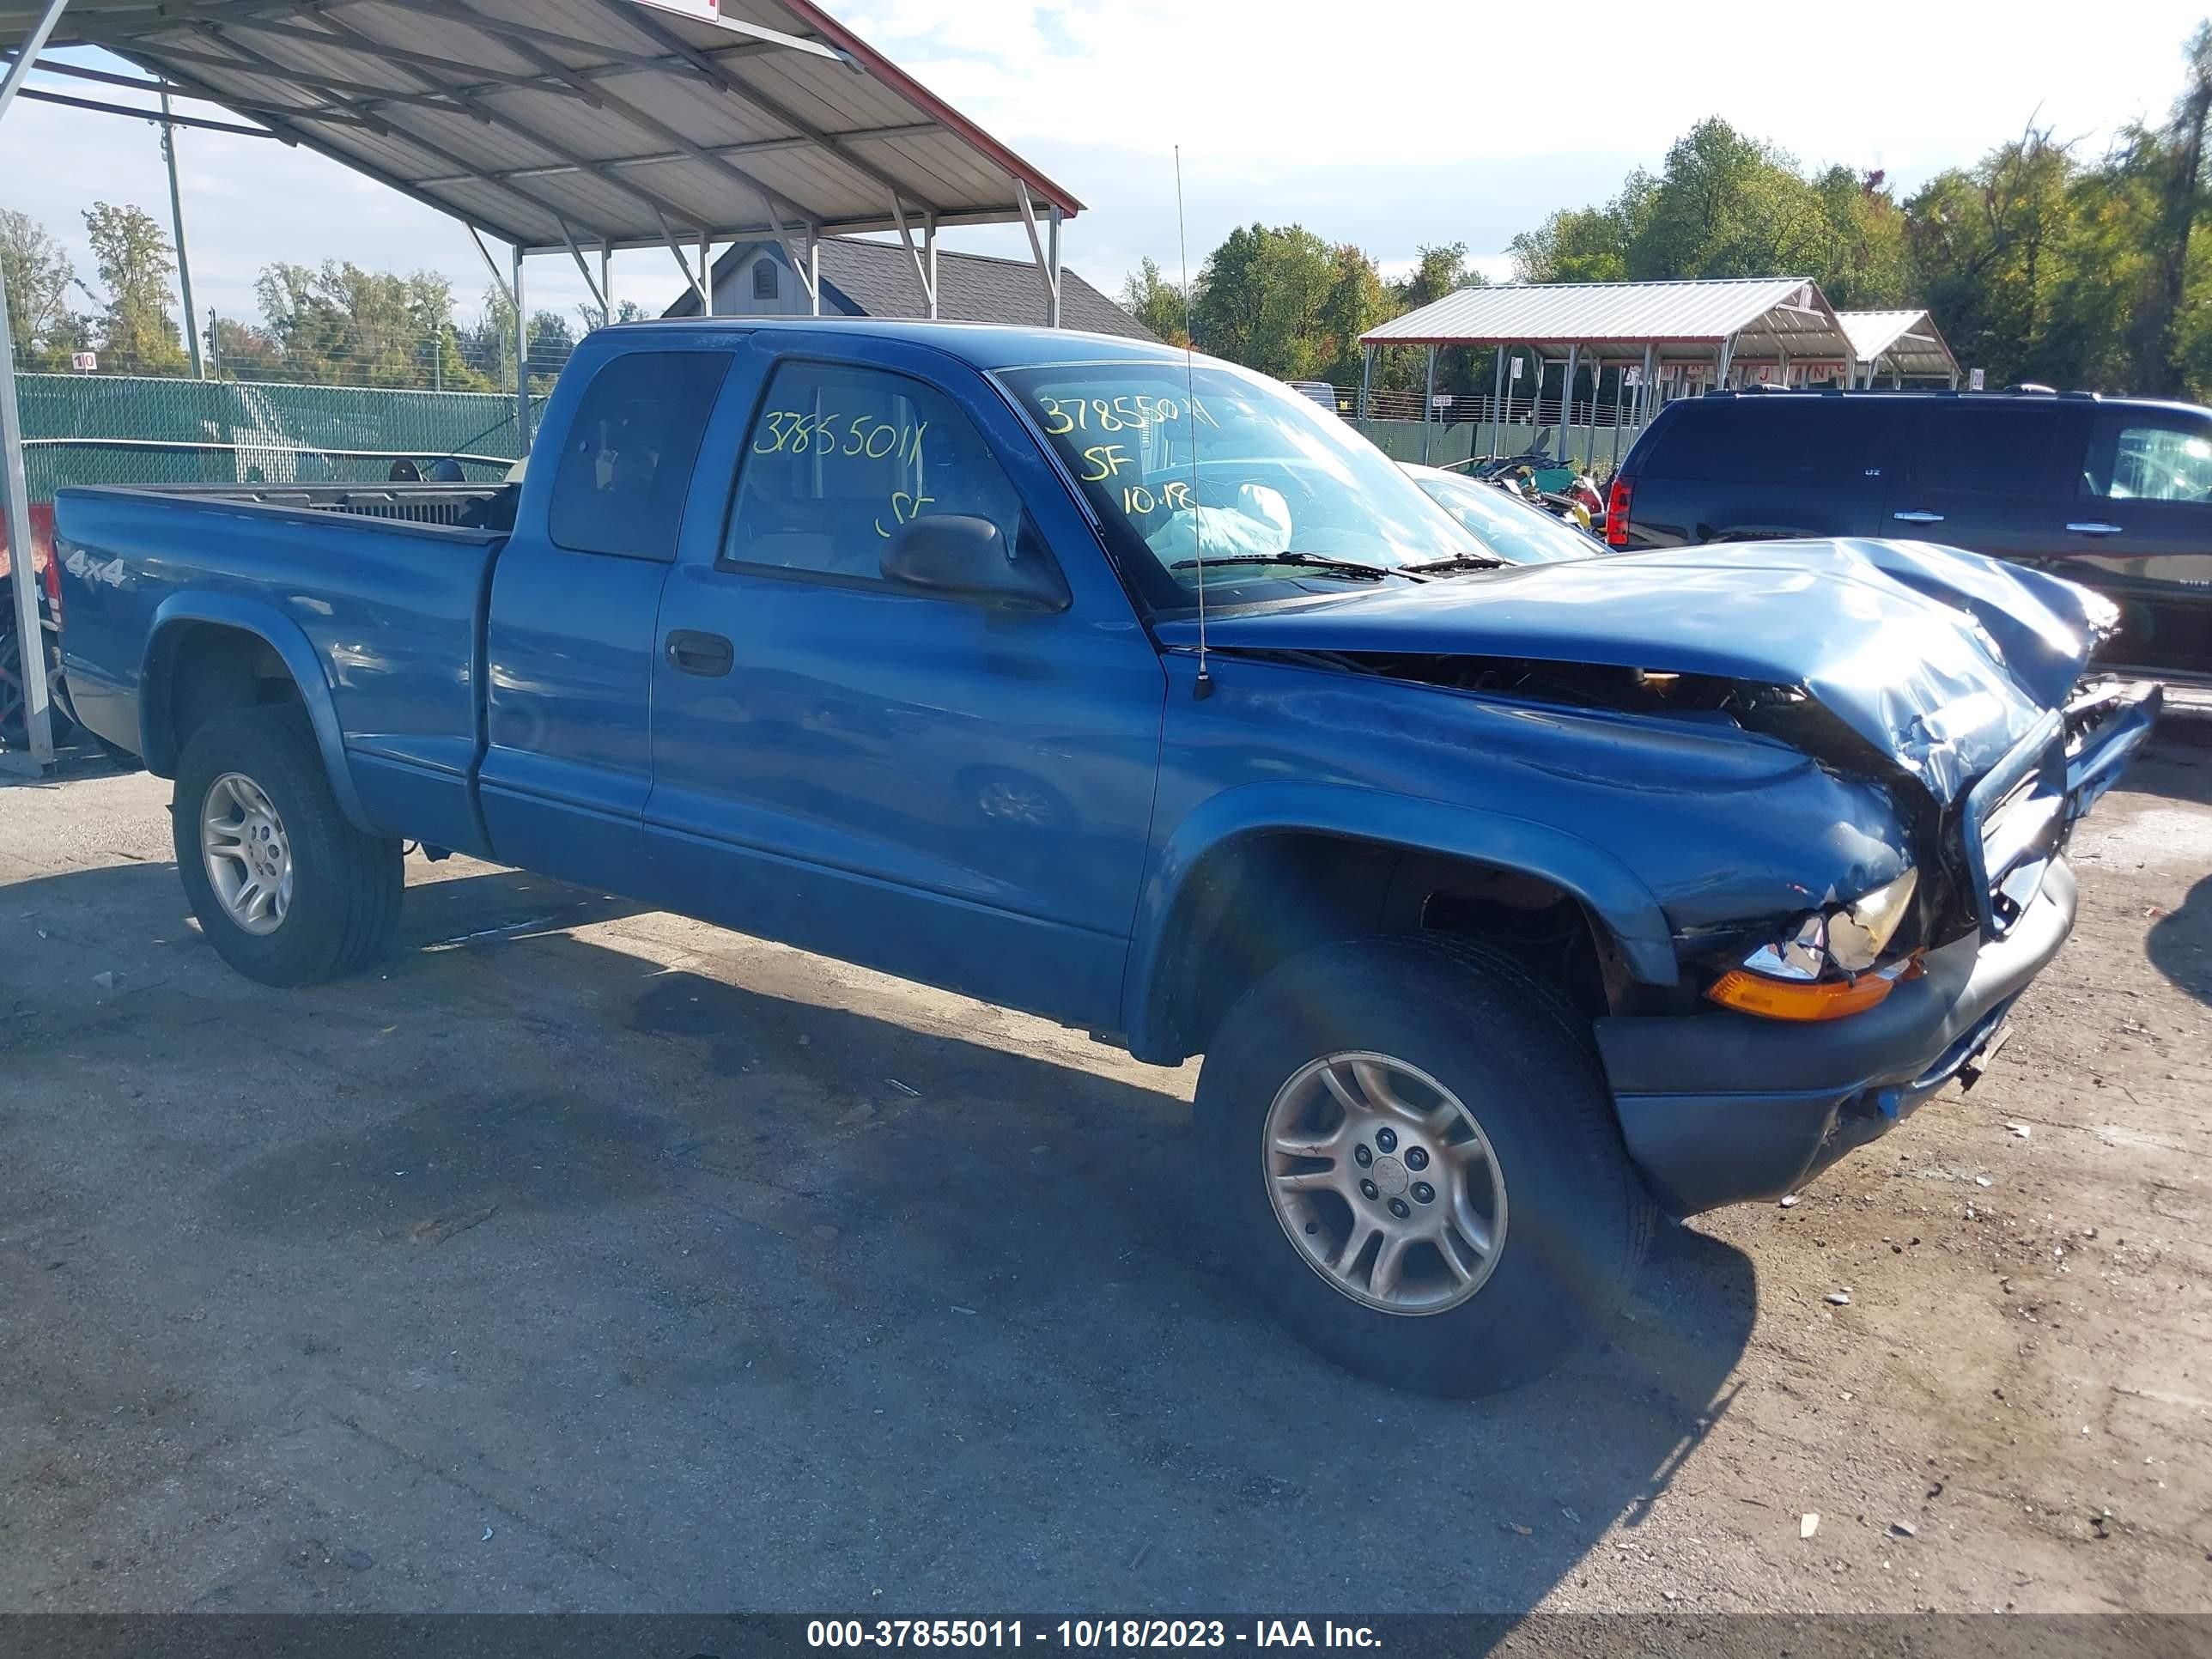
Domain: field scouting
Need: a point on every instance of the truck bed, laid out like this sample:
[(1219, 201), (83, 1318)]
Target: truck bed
[(375, 591), (457, 506)]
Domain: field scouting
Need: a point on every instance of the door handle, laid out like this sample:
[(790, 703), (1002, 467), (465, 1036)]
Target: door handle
[(2095, 527), (1918, 518), (706, 654)]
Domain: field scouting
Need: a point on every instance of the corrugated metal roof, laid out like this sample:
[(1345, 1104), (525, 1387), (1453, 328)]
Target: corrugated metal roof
[(539, 120), (1789, 310), (1906, 340)]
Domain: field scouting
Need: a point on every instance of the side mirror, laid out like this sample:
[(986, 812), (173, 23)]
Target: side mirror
[(953, 556)]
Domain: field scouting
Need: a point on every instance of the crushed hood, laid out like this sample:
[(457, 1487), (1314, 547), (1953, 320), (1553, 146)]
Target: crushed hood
[(1940, 659)]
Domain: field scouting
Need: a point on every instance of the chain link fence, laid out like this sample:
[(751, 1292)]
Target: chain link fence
[(132, 429)]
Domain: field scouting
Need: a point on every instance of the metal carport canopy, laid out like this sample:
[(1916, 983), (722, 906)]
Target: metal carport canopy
[(1907, 342), (555, 126), (1680, 321), (551, 123)]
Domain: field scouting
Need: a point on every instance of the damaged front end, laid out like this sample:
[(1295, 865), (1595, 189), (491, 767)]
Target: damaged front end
[(1948, 681)]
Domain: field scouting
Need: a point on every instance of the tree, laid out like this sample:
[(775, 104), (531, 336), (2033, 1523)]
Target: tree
[(40, 275), (1586, 245), (1161, 306), (2182, 194), (240, 351), (341, 323), (1727, 205), (1866, 263), (486, 346), (1260, 297), (1988, 246), (136, 331), (1357, 299)]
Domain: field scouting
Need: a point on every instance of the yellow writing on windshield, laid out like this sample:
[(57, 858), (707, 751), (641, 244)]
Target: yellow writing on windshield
[(1135, 413), (1137, 499)]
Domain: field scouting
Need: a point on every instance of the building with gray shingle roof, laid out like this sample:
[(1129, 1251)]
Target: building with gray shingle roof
[(876, 279)]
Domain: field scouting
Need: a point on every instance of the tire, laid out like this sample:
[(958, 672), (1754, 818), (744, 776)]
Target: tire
[(1569, 1217), (345, 886)]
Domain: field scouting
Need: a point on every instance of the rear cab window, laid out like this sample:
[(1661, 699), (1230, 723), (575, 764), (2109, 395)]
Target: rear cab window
[(625, 465)]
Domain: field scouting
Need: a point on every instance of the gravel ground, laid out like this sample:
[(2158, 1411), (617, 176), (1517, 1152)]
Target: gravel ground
[(587, 1258)]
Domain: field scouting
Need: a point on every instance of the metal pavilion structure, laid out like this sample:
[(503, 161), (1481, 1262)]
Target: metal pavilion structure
[(569, 128), (1657, 338), (1905, 345)]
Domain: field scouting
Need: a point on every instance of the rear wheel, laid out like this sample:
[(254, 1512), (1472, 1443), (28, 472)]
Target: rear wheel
[(1414, 1158), (287, 891)]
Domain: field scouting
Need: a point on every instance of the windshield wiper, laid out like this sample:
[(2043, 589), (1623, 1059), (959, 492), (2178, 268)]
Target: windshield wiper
[(1458, 562), (1299, 561)]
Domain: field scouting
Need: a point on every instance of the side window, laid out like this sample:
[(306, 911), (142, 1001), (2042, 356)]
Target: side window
[(839, 458), (1777, 438), (626, 464), (1991, 448), (2136, 458)]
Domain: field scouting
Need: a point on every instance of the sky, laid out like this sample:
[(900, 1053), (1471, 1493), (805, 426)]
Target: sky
[(1396, 125)]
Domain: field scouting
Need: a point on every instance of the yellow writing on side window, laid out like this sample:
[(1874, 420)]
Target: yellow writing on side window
[(861, 437), (853, 437)]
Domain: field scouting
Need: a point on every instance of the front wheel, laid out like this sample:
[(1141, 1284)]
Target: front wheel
[(287, 891), (1413, 1156)]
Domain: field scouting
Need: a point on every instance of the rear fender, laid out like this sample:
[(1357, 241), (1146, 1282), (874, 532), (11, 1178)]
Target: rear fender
[(173, 620), (1613, 895)]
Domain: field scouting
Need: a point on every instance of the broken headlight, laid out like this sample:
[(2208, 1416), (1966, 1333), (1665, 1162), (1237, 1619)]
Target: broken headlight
[(1820, 967), (1858, 933)]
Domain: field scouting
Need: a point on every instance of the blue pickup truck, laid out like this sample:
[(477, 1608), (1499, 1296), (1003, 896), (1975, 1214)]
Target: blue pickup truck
[(1511, 908)]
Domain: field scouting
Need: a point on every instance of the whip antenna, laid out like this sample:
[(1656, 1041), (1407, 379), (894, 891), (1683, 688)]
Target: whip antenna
[(1204, 686)]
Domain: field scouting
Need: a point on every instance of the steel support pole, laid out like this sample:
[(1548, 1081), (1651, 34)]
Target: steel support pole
[(606, 282), (814, 273), (521, 358), (1429, 406), (1051, 243), (1619, 397), (929, 253), (706, 276), (1497, 398), (1366, 381), (184, 259), (15, 490), (1567, 400)]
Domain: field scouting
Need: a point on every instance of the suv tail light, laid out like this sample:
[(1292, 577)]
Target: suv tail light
[(1616, 511)]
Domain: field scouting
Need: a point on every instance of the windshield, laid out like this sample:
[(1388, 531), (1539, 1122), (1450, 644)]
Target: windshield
[(1512, 530), (1274, 477)]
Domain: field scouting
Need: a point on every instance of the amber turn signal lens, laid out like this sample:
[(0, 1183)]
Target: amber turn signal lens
[(1775, 998)]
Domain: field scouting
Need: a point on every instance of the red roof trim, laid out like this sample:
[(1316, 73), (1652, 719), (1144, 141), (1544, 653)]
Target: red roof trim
[(904, 84), (1548, 339)]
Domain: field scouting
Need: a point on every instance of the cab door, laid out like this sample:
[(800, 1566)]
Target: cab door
[(1994, 474), (953, 793), (570, 638), (2141, 534)]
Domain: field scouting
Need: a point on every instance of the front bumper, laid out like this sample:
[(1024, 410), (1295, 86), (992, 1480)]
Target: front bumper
[(1724, 1107)]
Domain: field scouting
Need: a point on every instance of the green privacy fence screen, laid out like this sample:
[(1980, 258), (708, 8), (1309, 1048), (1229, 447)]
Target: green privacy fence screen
[(131, 430)]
